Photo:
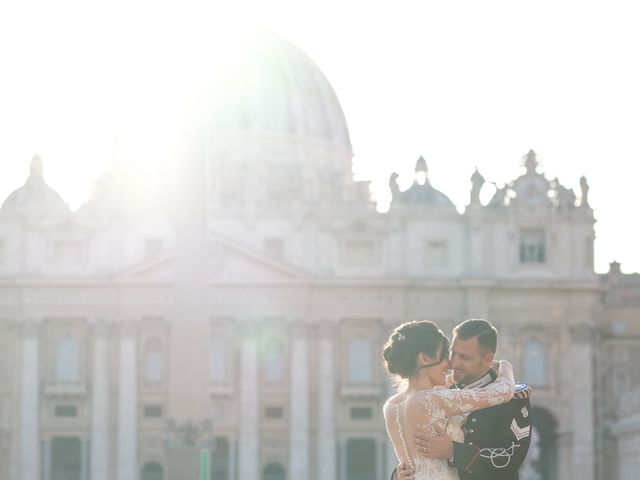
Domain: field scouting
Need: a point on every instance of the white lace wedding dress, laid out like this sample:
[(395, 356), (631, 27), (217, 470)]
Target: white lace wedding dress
[(447, 407)]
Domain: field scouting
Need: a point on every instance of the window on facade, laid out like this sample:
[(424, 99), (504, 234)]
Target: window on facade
[(65, 411), (153, 411), (273, 412), (273, 471), (152, 471), (66, 458), (533, 246), (68, 252), (360, 368), (67, 364), (217, 359), (274, 248), (153, 361), (274, 361), (153, 248), (436, 254), (361, 458), (620, 327), (361, 413), (534, 362), (358, 253)]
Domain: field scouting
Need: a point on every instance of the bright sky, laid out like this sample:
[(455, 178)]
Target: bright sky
[(463, 83)]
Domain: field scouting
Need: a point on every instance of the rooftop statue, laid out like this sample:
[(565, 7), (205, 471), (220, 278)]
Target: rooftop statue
[(393, 186), (584, 188), (477, 181)]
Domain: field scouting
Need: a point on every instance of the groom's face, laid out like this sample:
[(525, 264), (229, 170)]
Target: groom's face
[(468, 360)]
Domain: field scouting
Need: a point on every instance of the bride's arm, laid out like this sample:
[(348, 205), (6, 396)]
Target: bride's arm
[(456, 401)]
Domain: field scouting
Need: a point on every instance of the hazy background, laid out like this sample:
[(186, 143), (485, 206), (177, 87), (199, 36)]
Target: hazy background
[(464, 84)]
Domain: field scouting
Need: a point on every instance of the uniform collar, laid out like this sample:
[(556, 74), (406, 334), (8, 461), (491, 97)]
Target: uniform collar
[(480, 382)]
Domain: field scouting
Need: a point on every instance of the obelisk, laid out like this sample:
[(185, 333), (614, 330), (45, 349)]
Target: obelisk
[(188, 375)]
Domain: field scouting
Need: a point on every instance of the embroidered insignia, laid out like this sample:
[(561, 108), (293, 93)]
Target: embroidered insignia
[(520, 432), (499, 457), (524, 412), (522, 391)]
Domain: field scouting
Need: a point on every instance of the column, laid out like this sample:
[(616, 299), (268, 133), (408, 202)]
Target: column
[(299, 405), (100, 406), (248, 465), (29, 452), (582, 461), (127, 406), (326, 417)]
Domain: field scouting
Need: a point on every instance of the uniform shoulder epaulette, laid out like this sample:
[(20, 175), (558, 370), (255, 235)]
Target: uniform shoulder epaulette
[(522, 391)]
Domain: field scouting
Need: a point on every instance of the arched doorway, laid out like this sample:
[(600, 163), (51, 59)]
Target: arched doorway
[(541, 462), (66, 458), (152, 471), (361, 459), (273, 471)]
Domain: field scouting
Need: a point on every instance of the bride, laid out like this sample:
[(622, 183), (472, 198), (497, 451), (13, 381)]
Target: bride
[(418, 352)]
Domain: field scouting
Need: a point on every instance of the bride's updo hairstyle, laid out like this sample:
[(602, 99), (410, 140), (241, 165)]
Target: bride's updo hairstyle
[(410, 339)]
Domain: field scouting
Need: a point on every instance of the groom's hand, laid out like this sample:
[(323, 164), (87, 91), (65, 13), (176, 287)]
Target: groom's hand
[(403, 472), (439, 446)]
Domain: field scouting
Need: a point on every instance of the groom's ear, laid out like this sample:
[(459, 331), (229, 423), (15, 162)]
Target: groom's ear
[(488, 359)]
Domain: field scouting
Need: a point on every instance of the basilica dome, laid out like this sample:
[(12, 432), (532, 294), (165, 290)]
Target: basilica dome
[(273, 87), (35, 194)]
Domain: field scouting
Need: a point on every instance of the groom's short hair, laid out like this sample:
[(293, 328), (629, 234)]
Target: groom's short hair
[(481, 329)]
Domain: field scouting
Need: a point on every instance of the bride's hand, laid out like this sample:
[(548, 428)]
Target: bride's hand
[(505, 371), (448, 379), (495, 366)]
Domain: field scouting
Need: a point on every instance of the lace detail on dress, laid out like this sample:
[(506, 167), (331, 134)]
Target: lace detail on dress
[(440, 403), (434, 469)]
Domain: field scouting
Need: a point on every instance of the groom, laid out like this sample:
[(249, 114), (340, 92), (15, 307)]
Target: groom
[(496, 439)]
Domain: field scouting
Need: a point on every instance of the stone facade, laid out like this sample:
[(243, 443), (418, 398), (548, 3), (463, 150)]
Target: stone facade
[(102, 366)]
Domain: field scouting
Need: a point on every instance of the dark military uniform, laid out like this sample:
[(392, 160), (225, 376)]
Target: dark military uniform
[(496, 439)]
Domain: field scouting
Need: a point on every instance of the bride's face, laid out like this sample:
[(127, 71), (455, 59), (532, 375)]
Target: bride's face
[(438, 373)]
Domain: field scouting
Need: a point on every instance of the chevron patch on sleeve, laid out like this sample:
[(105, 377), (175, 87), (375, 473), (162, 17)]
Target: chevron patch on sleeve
[(520, 432)]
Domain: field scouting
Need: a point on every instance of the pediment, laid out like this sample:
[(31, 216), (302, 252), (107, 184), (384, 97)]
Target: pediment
[(234, 262), (227, 261), (157, 269)]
